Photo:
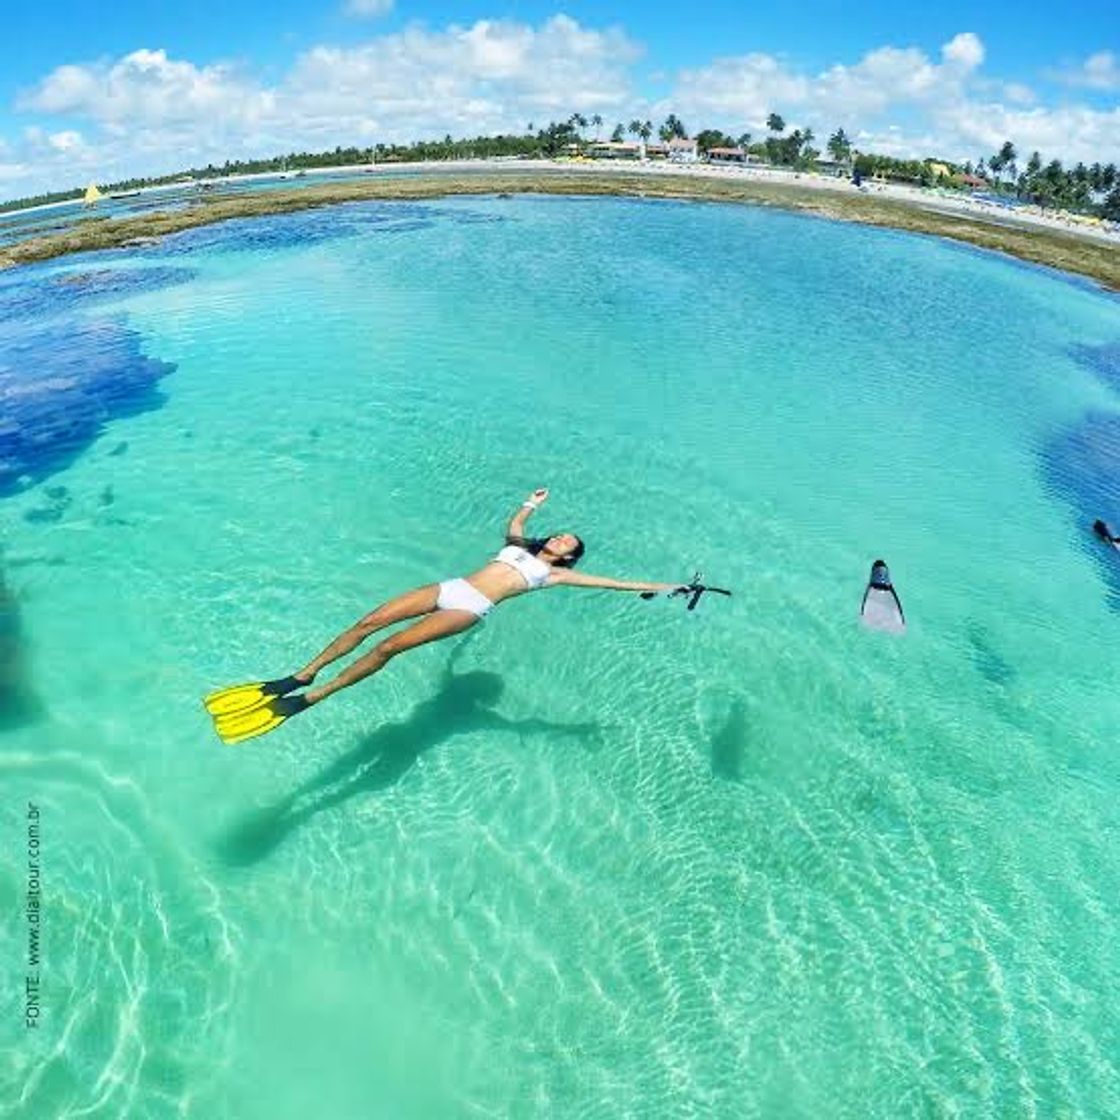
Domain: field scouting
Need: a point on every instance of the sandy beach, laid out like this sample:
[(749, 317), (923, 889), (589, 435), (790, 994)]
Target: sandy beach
[(940, 200), (1054, 240)]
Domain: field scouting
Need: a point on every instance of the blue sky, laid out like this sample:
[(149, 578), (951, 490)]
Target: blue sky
[(144, 87)]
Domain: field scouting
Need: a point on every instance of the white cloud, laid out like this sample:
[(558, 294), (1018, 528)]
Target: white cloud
[(964, 50), (145, 87), (754, 85), (65, 141), (147, 113), (946, 107), (368, 9), (1018, 94), (494, 75), (1100, 71), (1072, 133), (746, 88)]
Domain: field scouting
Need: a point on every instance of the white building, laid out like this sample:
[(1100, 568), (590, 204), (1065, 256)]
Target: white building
[(682, 151)]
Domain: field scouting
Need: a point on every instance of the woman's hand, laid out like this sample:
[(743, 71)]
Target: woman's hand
[(537, 498), (670, 589)]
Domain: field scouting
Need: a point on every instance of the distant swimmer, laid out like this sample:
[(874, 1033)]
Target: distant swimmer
[(524, 564), (1105, 533), (881, 609)]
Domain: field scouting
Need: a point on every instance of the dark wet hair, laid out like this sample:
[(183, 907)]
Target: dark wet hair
[(533, 545)]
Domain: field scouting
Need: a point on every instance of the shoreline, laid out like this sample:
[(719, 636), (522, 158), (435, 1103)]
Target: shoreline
[(1038, 239), (188, 184)]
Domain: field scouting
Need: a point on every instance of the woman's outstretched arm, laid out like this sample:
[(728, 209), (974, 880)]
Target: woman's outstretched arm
[(569, 578), (516, 528)]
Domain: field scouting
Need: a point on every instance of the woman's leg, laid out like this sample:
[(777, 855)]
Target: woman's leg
[(412, 603), (441, 624)]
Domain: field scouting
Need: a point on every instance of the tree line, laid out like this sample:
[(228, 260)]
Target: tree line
[(1090, 190)]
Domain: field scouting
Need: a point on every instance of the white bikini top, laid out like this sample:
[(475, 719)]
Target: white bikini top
[(533, 571)]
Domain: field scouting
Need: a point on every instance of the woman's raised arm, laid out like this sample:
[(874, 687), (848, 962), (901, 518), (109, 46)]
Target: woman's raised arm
[(516, 527)]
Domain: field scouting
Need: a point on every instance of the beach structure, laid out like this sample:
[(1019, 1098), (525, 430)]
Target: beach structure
[(682, 151), (614, 149), (836, 168), (728, 155), (92, 195), (627, 149)]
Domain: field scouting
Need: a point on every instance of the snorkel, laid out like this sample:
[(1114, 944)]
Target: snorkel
[(694, 589)]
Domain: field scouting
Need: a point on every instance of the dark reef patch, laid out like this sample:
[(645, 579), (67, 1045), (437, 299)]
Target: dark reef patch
[(18, 705), (59, 385), (42, 293), (1082, 466), (308, 227)]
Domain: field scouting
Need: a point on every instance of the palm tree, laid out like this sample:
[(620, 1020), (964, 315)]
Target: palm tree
[(839, 146), (597, 121), (672, 127), (1110, 208), (775, 123), (1004, 159), (635, 129), (577, 121), (744, 140)]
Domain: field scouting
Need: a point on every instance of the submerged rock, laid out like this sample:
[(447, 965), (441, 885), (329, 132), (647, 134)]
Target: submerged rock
[(61, 384), (18, 705)]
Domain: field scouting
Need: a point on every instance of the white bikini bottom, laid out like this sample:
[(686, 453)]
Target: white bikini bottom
[(458, 595)]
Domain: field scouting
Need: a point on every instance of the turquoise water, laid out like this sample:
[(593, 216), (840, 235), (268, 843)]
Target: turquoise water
[(600, 857), (20, 225)]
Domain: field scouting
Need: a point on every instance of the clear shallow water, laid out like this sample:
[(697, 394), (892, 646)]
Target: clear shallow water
[(601, 857), (19, 225)]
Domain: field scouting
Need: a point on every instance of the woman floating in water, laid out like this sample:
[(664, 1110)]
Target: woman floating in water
[(443, 609)]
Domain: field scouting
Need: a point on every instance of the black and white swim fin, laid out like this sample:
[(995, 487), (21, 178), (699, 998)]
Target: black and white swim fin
[(881, 608)]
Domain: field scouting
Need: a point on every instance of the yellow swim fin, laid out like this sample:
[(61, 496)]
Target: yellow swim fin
[(243, 697), (238, 726)]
